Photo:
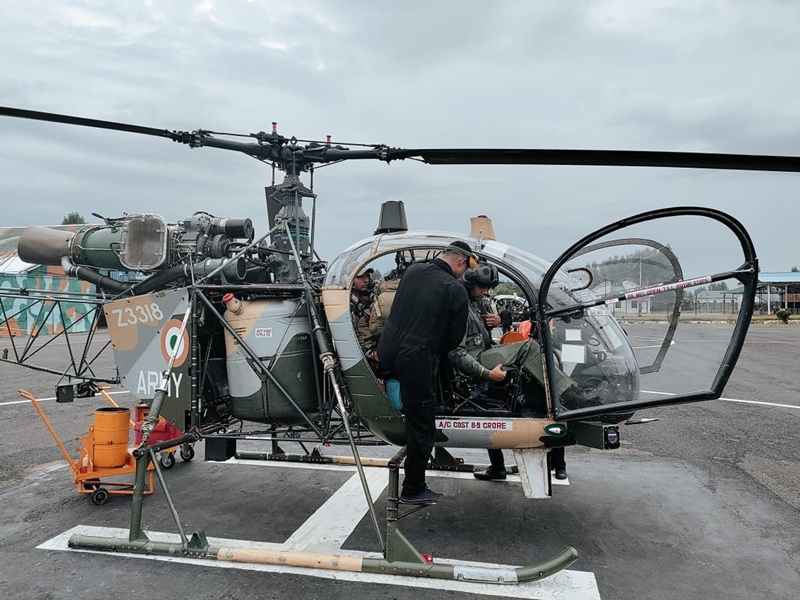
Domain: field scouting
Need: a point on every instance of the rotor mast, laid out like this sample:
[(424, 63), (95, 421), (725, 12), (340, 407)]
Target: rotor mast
[(285, 206), (285, 200)]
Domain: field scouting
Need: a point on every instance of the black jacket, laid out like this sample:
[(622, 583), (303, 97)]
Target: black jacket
[(429, 313)]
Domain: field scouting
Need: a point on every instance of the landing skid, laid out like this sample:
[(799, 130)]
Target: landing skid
[(400, 557), (442, 460)]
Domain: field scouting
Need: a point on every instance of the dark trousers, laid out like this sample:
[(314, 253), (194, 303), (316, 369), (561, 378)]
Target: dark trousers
[(557, 459), (496, 460), (418, 377)]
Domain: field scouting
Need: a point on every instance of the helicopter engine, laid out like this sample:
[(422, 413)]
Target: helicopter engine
[(275, 381), (171, 254), (139, 243)]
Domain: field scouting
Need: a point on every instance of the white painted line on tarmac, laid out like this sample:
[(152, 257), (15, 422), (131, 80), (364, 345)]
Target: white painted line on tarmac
[(751, 342), (48, 399), (659, 342), (565, 585), (732, 400), (763, 403), (654, 338), (321, 533), (45, 469)]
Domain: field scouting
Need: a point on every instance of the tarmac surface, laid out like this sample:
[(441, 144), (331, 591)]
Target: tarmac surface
[(704, 503)]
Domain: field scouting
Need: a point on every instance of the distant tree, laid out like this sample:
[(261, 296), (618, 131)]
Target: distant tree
[(73, 218), (508, 288), (643, 266), (688, 302), (720, 286)]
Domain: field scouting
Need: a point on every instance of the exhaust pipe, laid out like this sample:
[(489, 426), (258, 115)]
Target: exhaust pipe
[(93, 245), (44, 246)]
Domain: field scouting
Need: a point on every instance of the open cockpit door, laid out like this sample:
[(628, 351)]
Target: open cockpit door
[(629, 323), (654, 262)]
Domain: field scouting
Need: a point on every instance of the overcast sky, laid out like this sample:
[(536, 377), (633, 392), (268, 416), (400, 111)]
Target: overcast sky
[(684, 75)]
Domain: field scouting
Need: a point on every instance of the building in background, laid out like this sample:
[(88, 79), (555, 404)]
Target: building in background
[(779, 290), (24, 288)]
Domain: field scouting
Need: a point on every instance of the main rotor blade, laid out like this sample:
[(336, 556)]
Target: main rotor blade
[(452, 156), (613, 158), (56, 118)]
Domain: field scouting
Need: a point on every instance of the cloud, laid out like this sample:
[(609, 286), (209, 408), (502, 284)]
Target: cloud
[(665, 75)]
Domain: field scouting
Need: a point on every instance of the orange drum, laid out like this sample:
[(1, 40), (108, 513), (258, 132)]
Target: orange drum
[(111, 433)]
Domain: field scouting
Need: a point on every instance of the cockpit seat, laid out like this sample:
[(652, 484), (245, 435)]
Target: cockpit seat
[(464, 395)]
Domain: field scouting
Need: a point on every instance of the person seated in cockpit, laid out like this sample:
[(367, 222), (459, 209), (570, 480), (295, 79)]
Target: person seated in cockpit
[(361, 300), (478, 358), (384, 296)]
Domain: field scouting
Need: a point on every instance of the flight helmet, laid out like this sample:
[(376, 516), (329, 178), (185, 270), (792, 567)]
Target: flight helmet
[(483, 275)]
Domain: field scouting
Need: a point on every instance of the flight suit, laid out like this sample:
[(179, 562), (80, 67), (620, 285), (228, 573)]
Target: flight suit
[(476, 356)]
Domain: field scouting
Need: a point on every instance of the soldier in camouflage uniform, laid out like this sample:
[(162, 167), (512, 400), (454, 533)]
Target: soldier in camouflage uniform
[(382, 306), (361, 299), (478, 358), (385, 293)]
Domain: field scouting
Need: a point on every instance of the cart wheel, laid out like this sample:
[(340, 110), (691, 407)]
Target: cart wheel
[(100, 496), (187, 453), (167, 459)]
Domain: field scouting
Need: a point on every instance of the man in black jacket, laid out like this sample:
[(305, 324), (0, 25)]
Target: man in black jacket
[(428, 319), (506, 320)]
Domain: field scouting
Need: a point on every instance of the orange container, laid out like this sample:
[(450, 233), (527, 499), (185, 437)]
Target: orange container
[(111, 434)]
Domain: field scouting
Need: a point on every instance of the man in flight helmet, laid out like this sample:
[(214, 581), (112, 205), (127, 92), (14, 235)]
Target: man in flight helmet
[(477, 357)]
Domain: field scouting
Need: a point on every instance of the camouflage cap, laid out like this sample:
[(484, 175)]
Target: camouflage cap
[(364, 271)]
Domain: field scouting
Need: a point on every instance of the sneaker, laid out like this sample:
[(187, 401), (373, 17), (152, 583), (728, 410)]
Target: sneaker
[(427, 496), (561, 473), (490, 474)]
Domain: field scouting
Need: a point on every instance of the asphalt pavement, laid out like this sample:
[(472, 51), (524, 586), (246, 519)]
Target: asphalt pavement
[(703, 503)]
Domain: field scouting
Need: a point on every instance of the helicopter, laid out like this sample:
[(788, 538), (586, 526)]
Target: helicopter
[(221, 331)]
